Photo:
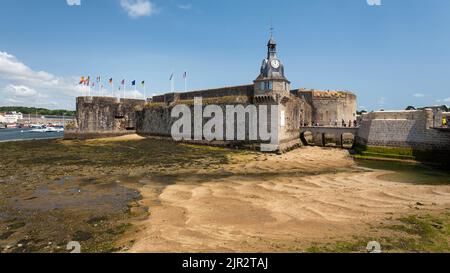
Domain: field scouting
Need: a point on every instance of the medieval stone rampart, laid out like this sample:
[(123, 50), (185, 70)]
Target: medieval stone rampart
[(104, 117), (330, 108), (242, 90), (404, 129)]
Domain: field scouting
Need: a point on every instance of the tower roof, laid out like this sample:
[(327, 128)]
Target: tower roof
[(271, 41), (272, 68)]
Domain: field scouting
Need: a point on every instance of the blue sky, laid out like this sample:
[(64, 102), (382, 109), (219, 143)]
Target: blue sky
[(391, 56)]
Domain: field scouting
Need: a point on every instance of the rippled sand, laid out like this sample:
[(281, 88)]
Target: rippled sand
[(276, 203)]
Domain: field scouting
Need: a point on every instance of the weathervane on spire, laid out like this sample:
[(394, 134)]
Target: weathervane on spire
[(271, 28)]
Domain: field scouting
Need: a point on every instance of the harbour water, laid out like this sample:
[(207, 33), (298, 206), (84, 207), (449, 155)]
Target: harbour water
[(26, 134)]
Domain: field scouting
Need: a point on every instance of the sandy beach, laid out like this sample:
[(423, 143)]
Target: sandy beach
[(132, 194), (279, 203)]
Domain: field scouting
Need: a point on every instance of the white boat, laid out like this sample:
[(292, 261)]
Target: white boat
[(47, 129), (38, 130), (57, 129)]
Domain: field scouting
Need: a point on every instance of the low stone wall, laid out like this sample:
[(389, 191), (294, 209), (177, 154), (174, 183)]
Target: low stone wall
[(104, 117), (404, 129)]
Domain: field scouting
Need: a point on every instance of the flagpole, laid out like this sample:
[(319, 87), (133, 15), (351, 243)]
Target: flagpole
[(185, 82), (123, 89), (145, 93), (89, 86)]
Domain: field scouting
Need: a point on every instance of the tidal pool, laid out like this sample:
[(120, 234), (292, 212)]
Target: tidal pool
[(408, 172)]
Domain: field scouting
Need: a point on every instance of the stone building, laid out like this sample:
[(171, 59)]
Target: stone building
[(295, 108)]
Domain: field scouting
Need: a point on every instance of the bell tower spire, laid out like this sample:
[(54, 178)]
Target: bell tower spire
[(271, 80), (271, 45)]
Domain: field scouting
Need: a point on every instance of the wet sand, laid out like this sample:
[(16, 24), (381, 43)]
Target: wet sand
[(131, 194)]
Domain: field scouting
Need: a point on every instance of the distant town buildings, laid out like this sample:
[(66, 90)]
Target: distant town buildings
[(12, 117)]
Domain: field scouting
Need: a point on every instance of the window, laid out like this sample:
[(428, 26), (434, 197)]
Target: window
[(266, 86)]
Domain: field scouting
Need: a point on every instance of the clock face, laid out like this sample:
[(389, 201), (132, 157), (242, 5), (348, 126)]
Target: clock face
[(275, 64)]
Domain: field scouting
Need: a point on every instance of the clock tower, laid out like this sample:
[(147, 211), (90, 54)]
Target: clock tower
[(271, 82)]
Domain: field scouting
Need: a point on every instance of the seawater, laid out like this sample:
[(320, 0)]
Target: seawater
[(26, 134), (408, 173)]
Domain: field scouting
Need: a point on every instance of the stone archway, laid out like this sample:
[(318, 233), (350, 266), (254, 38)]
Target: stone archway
[(307, 138), (347, 140)]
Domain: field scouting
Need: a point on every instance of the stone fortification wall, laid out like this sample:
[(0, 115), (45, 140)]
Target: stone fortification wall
[(104, 117), (329, 107), (156, 120), (408, 129), (242, 90)]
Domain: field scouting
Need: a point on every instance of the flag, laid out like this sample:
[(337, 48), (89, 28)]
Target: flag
[(171, 77), (98, 79), (88, 80), (82, 80), (184, 75), (110, 81), (123, 82), (133, 83), (143, 83)]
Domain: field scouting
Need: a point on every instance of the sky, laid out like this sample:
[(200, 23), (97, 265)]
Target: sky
[(390, 53)]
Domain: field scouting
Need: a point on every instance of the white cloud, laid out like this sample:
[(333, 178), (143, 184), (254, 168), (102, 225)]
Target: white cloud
[(374, 2), (20, 91), (185, 6), (419, 95), (447, 100), (23, 85), (138, 8), (134, 94), (12, 69), (73, 2)]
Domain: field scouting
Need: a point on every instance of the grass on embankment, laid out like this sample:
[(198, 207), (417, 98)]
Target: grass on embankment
[(414, 233), (400, 153)]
